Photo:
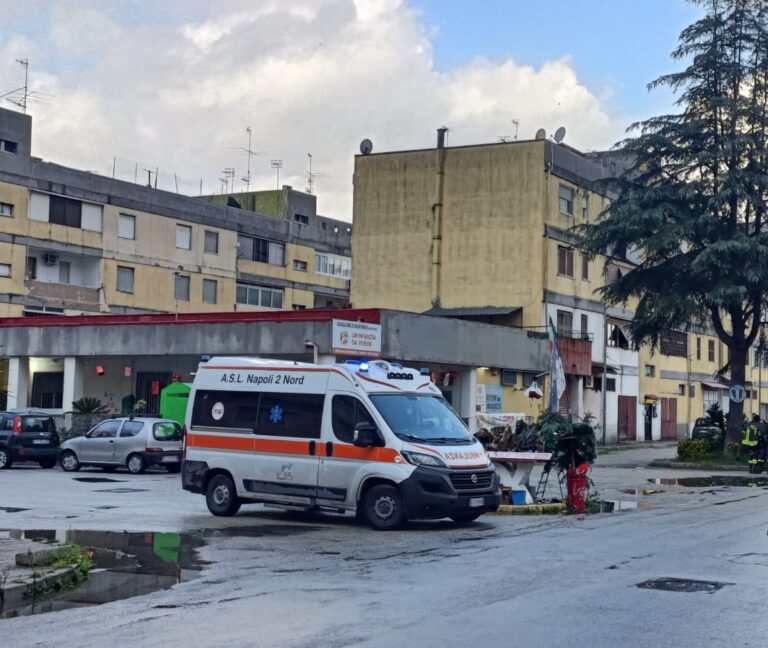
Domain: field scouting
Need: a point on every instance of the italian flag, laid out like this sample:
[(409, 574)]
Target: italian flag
[(556, 373)]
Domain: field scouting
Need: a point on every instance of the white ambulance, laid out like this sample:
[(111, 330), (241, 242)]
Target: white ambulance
[(367, 436)]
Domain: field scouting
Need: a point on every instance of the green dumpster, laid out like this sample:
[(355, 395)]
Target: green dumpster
[(173, 401)]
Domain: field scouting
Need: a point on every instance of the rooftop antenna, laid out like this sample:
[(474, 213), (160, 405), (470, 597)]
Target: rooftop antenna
[(366, 146), (504, 138), (23, 96), (229, 174), (312, 176), (516, 122), (559, 134), (277, 165), (250, 153)]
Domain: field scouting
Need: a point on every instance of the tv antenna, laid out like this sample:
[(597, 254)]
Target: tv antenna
[(516, 123), (228, 174), (313, 176), (250, 153), (277, 165), (366, 146), (559, 134), (23, 96)]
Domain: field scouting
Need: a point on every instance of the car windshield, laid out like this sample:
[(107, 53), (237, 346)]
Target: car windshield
[(420, 417), (167, 431)]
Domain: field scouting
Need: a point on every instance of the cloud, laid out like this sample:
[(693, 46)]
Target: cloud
[(177, 90)]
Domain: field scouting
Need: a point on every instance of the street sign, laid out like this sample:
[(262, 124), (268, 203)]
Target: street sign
[(737, 393)]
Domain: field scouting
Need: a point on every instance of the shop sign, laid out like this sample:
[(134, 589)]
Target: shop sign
[(356, 338)]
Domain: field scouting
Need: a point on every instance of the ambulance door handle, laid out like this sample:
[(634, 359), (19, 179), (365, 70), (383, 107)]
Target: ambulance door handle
[(329, 449), (312, 448)]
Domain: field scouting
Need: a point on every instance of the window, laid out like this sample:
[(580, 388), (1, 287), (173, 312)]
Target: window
[(6, 209), (105, 430), (261, 250), (64, 211), (584, 326), (300, 265), (124, 279), (566, 200), (64, 268), (681, 390), (692, 391), (5, 269), (650, 371), (301, 219), (610, 384), (508, 377), (698, 348), (584, 268), (131, 428), (259, 296), (184, 237), (617, 338), (564, 261), (711, 350), (7, 146), (347, 412), (181, 288), (333, 264), (585, 208), (126, 226), (167, 431), (31, 270), (528, 379), (47, 389), (565, 323), (209, 291), (211, 242), (298, 307)]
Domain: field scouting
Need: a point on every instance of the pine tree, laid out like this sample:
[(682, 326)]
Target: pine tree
[(693, 200)]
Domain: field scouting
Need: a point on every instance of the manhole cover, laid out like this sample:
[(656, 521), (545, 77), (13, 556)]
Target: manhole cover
[(96, 480), (122, 490), (681, 585), (12, 509)]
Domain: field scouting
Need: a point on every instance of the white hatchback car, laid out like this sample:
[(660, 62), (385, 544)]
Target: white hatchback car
[(136, 443)]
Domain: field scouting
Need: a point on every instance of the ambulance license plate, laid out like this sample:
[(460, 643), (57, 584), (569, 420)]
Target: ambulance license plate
[(474, 502), (171, 459)]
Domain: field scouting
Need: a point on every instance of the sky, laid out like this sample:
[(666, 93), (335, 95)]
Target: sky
[(127, 86)]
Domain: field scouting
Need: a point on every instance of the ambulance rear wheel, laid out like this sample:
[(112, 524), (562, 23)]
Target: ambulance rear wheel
[(383, 508), (221, 496)]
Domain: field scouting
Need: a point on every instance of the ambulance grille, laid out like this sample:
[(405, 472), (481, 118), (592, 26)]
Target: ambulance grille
[(463, 481)]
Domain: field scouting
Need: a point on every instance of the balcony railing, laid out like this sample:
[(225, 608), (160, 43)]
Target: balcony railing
[(64, 295)]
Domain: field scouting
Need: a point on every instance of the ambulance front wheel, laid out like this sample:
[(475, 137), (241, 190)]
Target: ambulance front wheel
[(383, 507), (221, 496)]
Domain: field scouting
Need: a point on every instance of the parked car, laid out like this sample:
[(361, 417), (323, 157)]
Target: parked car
[(705, 430), (26, 435), (136, 443)]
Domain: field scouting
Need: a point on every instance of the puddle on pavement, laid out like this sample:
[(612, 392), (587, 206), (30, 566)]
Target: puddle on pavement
[(96, 480), (713, 480), (124, 565), (12, 509)]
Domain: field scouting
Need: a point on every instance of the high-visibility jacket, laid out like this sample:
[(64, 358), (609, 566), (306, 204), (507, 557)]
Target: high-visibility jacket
[(750, 436)]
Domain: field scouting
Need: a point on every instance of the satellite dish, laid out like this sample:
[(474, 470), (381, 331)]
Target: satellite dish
[(366, 146), (560, 134), (541, 134)]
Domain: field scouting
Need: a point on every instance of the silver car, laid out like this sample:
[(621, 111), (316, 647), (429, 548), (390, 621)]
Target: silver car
[(136, 443)]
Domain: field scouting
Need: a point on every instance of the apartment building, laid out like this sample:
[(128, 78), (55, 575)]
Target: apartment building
[(486, 233), (73, 242)]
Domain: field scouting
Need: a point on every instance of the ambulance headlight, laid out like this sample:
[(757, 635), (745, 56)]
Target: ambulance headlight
[(419, 459)]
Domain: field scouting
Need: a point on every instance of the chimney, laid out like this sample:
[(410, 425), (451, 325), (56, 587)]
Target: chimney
[(441, 137)]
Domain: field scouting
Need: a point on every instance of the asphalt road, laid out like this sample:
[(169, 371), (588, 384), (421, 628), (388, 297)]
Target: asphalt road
[(281, 579)]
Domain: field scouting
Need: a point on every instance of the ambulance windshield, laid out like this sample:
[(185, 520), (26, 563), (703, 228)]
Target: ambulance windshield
[(429, 419)]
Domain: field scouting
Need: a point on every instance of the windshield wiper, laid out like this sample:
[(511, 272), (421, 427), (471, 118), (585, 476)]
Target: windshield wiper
[(402, 435), (456, 440)]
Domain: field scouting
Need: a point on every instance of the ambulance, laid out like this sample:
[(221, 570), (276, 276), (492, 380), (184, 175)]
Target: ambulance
[(371, 437)]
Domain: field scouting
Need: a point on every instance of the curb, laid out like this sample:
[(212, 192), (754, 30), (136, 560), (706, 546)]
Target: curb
[(19, 594), (530, 509), (661, 463)]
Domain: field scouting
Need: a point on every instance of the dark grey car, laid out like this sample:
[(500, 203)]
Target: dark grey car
[(135, 443)]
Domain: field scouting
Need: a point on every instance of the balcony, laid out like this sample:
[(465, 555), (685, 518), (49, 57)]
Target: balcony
[(62, 295), (575, 352)]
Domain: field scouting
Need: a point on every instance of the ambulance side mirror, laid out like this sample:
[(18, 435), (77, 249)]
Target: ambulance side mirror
[(366, 435)]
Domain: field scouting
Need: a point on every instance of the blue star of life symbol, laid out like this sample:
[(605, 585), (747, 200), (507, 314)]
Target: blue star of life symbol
[(276, 414)]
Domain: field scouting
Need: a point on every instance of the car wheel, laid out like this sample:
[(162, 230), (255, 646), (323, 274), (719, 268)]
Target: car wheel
[(69, 461), (136, 464), (221, 496), (464, 518), (5, 459), (383, 507), (173, 468), (47, 463)]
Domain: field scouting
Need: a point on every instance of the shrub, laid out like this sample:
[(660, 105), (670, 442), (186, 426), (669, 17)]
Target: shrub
[(733, 450), (692, 449)]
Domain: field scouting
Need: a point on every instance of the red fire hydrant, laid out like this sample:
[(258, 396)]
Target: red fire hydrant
[(577, 488)]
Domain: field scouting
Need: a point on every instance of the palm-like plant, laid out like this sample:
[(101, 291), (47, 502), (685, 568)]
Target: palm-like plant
[(89, 405)]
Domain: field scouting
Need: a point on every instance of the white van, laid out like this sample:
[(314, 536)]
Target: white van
[(365, 436)]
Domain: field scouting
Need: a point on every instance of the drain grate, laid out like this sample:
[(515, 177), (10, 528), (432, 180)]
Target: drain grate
[(123, 490), (681, 585), (96, 480)]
